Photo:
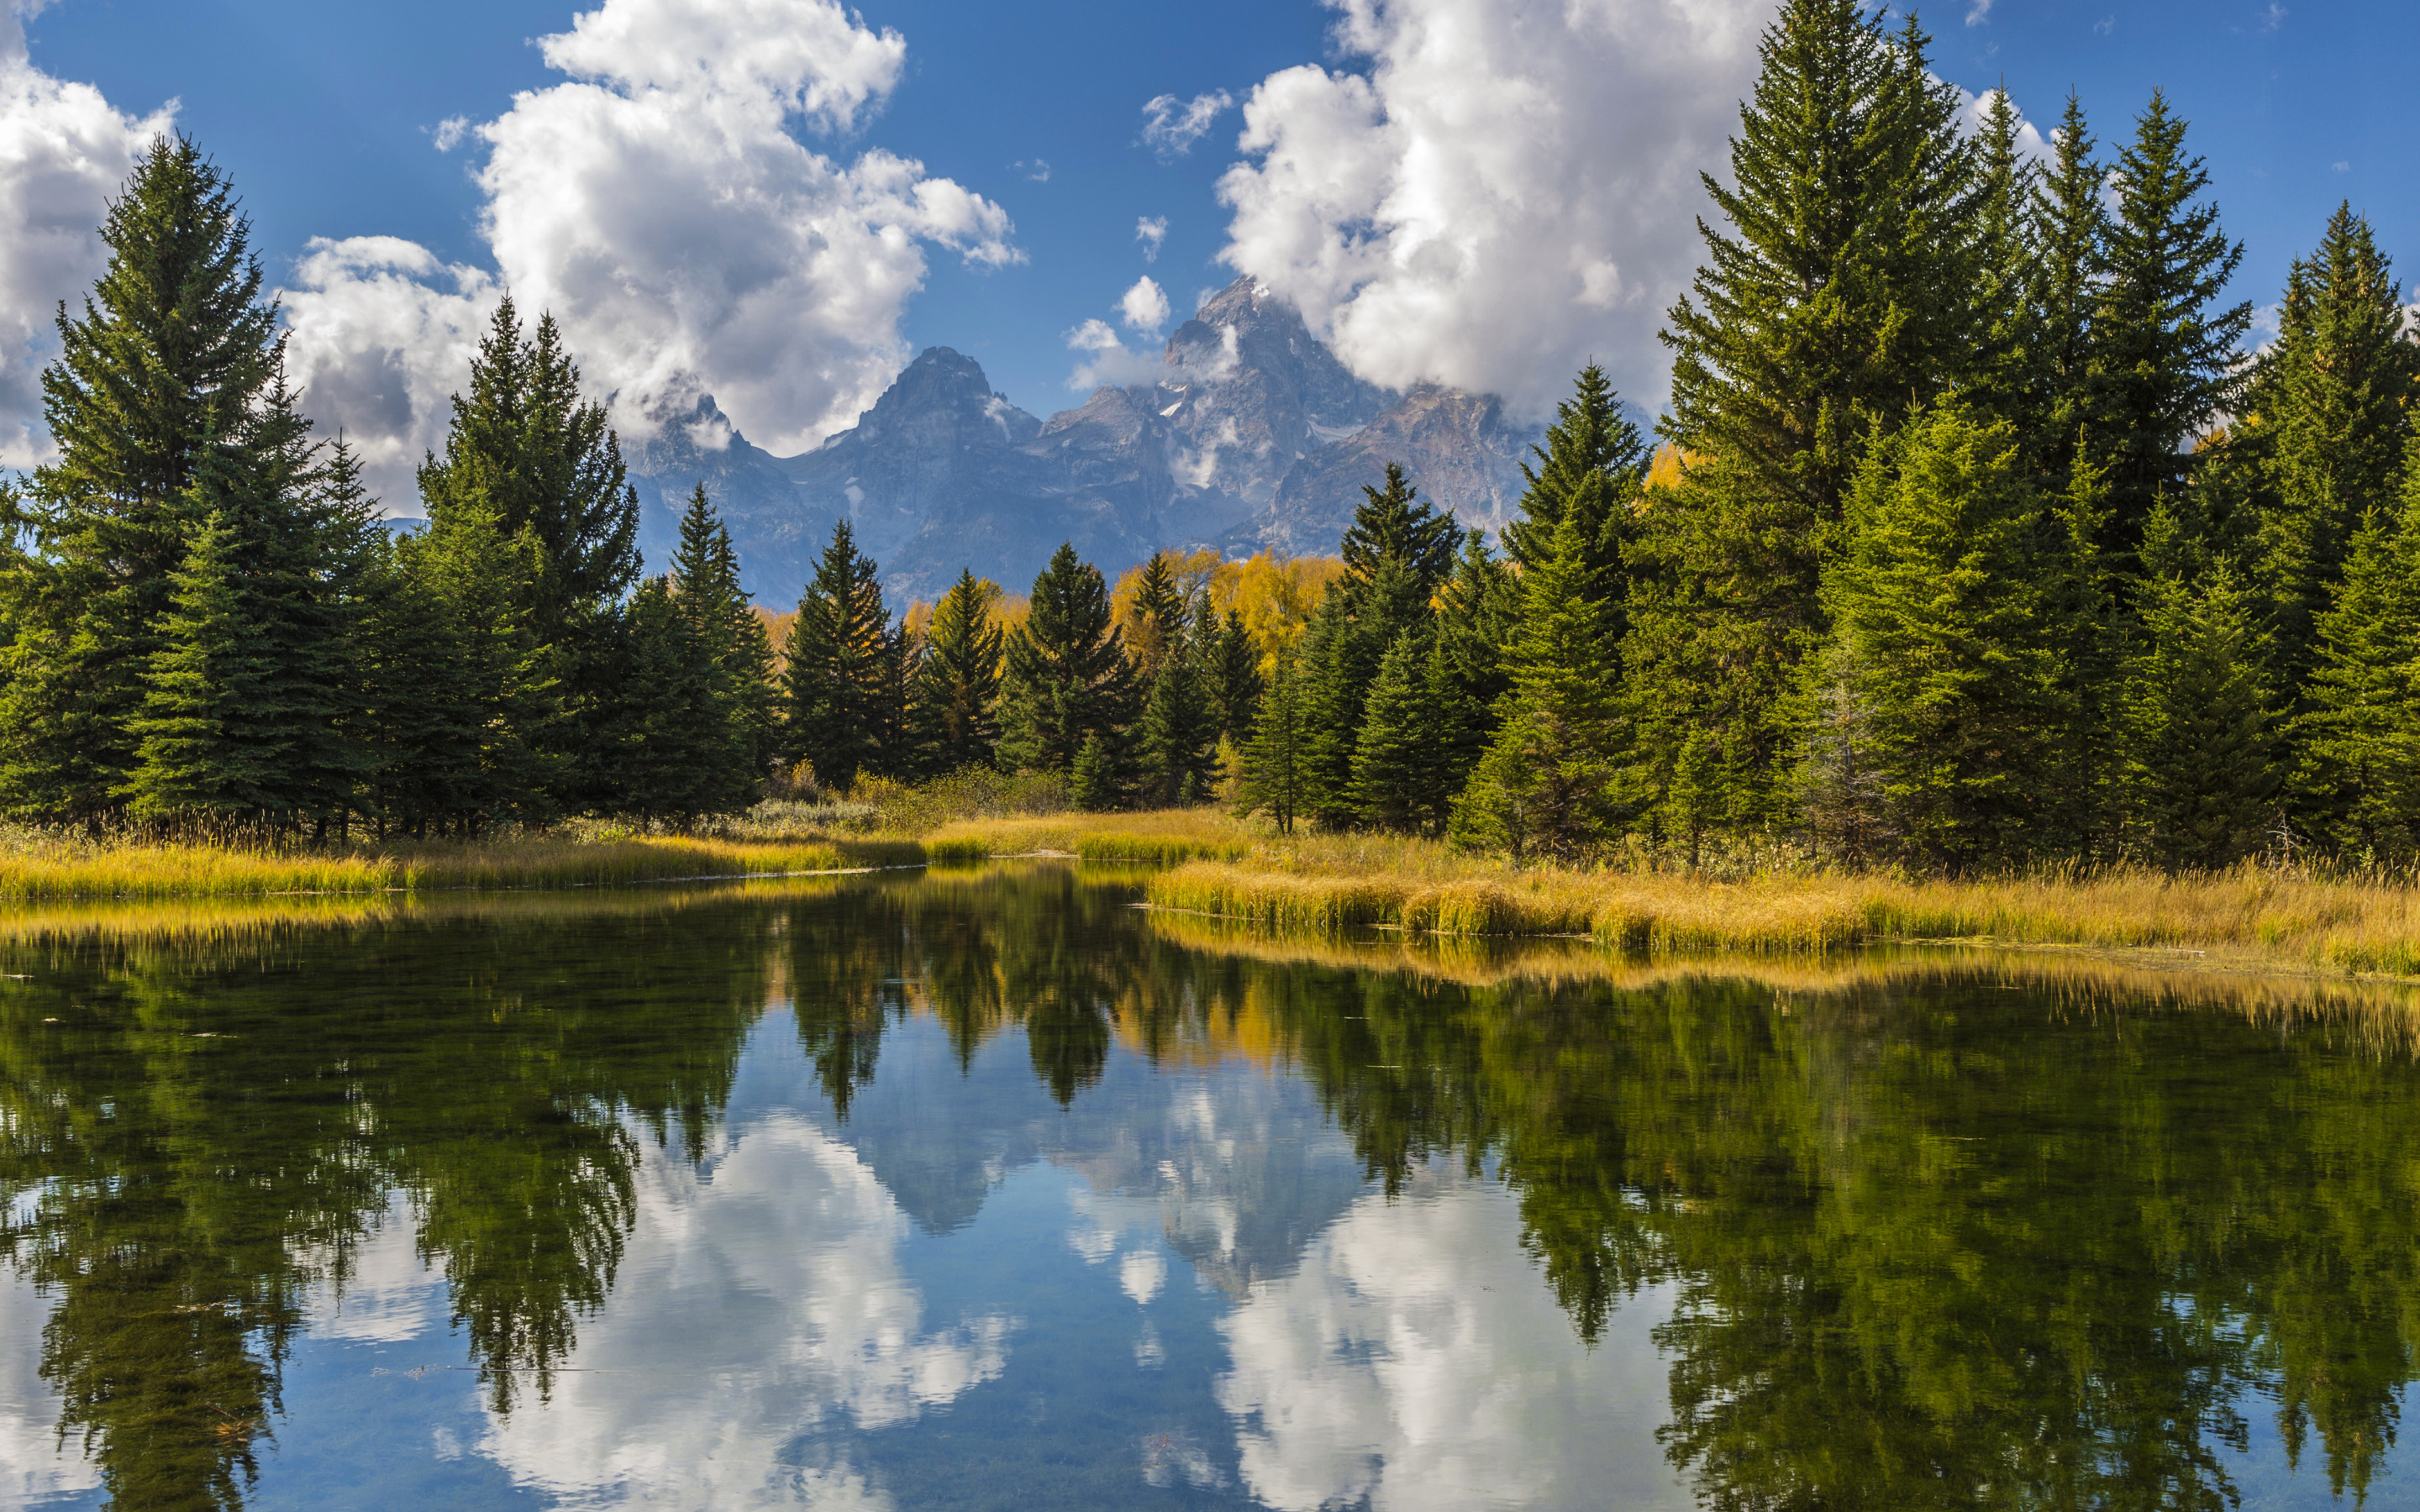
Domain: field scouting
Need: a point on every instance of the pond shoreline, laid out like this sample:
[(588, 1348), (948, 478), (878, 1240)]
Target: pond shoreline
[(2244, 920)]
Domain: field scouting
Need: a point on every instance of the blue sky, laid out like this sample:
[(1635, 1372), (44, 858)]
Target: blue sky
[(327, 118)]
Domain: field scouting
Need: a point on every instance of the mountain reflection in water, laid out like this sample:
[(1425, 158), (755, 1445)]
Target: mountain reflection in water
[(986, 1189)]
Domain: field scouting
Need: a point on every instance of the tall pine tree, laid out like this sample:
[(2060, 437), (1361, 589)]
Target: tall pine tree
[(959, 693), (1944, 634), (1069, 682), (166, 372), (2163, 355), (837, 680)]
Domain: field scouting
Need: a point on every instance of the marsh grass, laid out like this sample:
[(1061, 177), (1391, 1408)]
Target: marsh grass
[(38, 866), (1163, 838), (2254, 915)]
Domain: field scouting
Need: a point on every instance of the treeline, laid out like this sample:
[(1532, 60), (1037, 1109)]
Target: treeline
[(207, 623), (1984, 541), (1976, 539)]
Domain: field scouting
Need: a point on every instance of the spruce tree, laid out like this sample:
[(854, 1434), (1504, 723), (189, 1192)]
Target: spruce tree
[(1068, 679), (1594, 462), (1179, 734), (509, 681), (1397, 552), (1395, 762), (1943, 630), (1838, 293), (524, 451), (1479, 613), (836, 681), (2163, 358), (2206, 774), (420, 726), (1237, 680), (1096, 780), (716, 634), (2328, 411), (2006, 262), (1273, 763), (1839, 290), (544, 463), (1548, 781), (2357, 781), (2069, 234), (959, 693), (900, 751), (166, 371), (215, 739), (1393, 525), (671, 740), (1159, 618)]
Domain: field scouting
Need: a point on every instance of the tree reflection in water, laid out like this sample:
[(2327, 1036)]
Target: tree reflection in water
[(1935, 1241)]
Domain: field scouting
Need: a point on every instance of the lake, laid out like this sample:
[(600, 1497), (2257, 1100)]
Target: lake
[(987, 1189)]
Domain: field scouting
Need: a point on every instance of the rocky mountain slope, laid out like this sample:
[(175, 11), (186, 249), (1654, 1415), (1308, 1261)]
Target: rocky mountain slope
[(1253, 436)]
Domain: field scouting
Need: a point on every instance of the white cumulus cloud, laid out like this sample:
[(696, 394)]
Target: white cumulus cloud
[(1171, 126), (64, 151), (1151, 231), (657, 203), (1506, 189), (1146, 305)]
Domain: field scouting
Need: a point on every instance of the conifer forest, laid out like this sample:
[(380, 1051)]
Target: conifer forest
[(1978, 533)]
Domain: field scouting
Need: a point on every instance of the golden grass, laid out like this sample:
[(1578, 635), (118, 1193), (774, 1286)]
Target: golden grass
[(59, 870), (2250, 915), (2384, 1015), (1165, 836)]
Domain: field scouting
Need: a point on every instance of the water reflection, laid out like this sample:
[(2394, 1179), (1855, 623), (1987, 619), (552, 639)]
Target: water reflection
[(984, 1188)]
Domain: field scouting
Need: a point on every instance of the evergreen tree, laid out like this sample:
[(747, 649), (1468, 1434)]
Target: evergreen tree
[(543, 463), (2006, 263), (1547, 784), (215, 739), (837, 677), (504, 686), (716, 634), (165, 373), (1594, 463), (960, 687), (545, 469), (1459, 731), (1839, 294), (1068, 680), (1273, 763), (1394, 526), (2328, 413), (1479, 615), (900, 751), (1395, 762), (1945, 635), (2357, 783), (1159, 618), (1397, 552), (1236, 679), (2164, 360), (1096, 780), (1179, 734), (672, 740), (420, 731), (2206, 772), (2069, 234)]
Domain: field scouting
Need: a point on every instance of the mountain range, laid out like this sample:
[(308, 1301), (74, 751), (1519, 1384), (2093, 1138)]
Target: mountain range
[(1251, 435)]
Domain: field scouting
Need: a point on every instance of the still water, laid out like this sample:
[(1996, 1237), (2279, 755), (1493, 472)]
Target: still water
[(989, 1190)]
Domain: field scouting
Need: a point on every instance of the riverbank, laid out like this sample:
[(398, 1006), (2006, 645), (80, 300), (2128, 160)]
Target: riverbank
[(2246, 918), (46, 870)]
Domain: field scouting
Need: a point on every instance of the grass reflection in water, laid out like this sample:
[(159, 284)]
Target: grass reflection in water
[(1945, 1230)]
